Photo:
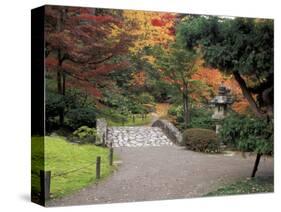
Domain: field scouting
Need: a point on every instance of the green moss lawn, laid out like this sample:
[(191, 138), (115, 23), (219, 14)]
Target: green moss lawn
[(63, 157)]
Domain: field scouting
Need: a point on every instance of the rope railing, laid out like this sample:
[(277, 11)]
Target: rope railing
[(73, 170), (45, 176)]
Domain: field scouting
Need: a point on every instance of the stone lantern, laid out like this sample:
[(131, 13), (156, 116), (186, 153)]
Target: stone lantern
[(220, 104)]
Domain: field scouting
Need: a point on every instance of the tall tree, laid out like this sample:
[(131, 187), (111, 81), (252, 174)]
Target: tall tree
[(150, 28), (176, 66), (81, 47), (240, 47)]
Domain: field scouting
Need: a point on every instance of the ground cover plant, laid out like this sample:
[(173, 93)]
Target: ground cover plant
[(246, 186)]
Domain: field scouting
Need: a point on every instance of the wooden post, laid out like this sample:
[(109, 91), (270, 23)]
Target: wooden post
[(45, 183), (257, 161), (98, 167), (110, 156), (134, 118), (103, 139)]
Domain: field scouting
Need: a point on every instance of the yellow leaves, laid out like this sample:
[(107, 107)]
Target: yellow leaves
[(162, 109), (139, 79), (147, 34), (149, 59)]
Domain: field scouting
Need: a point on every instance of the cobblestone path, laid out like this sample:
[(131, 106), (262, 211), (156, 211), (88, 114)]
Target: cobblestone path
[(137, 137)]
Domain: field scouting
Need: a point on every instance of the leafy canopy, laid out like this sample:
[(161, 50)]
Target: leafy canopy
[(242, 44)]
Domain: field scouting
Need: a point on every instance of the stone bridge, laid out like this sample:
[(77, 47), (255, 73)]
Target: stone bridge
[(137, 136), (160, 133)]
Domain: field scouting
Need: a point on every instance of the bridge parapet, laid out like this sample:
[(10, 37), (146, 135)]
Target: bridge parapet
[(102, 131), (170, 130)]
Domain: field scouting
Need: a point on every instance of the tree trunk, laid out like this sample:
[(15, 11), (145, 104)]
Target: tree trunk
[(59, 86), (247, 94), (255, 169), (267, 96), (61, 112), (60, 77), (185, 107), (60, 90), (63, 84)]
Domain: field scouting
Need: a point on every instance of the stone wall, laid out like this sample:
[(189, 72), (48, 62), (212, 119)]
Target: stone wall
[(101, 126), (170, 130)]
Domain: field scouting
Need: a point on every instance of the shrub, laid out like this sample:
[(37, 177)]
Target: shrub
[(248, 133), (80, 117), (84, 134), (84, 131), (200, 117), (201, 140), (54, 102), (146, 98), (177, 111), (172, 110)]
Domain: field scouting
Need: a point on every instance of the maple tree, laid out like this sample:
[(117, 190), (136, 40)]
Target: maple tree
[(138, 78), (149, 28), (212, 79), (177, 65), (80, 47)]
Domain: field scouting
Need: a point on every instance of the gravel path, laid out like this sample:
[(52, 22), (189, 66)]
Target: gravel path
[(165, 172)]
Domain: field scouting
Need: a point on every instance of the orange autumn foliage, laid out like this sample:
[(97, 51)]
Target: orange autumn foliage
[(149, 28), (139, 79), (213, 78)]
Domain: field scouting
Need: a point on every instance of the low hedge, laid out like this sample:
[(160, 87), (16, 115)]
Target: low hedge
[(201, 140)]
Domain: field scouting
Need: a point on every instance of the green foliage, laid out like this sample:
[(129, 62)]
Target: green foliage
[(81, 116), (239, 46), (201, 140), (62, 157), (76, 106), (200, 117), (85, 131), (122, 77), (138, 120), (247, 186), (248, 134), (177, 111), (111, 114), (122, 105), (173, 110), (54, 102), (146, 98), (176, 63), (242, 44)]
